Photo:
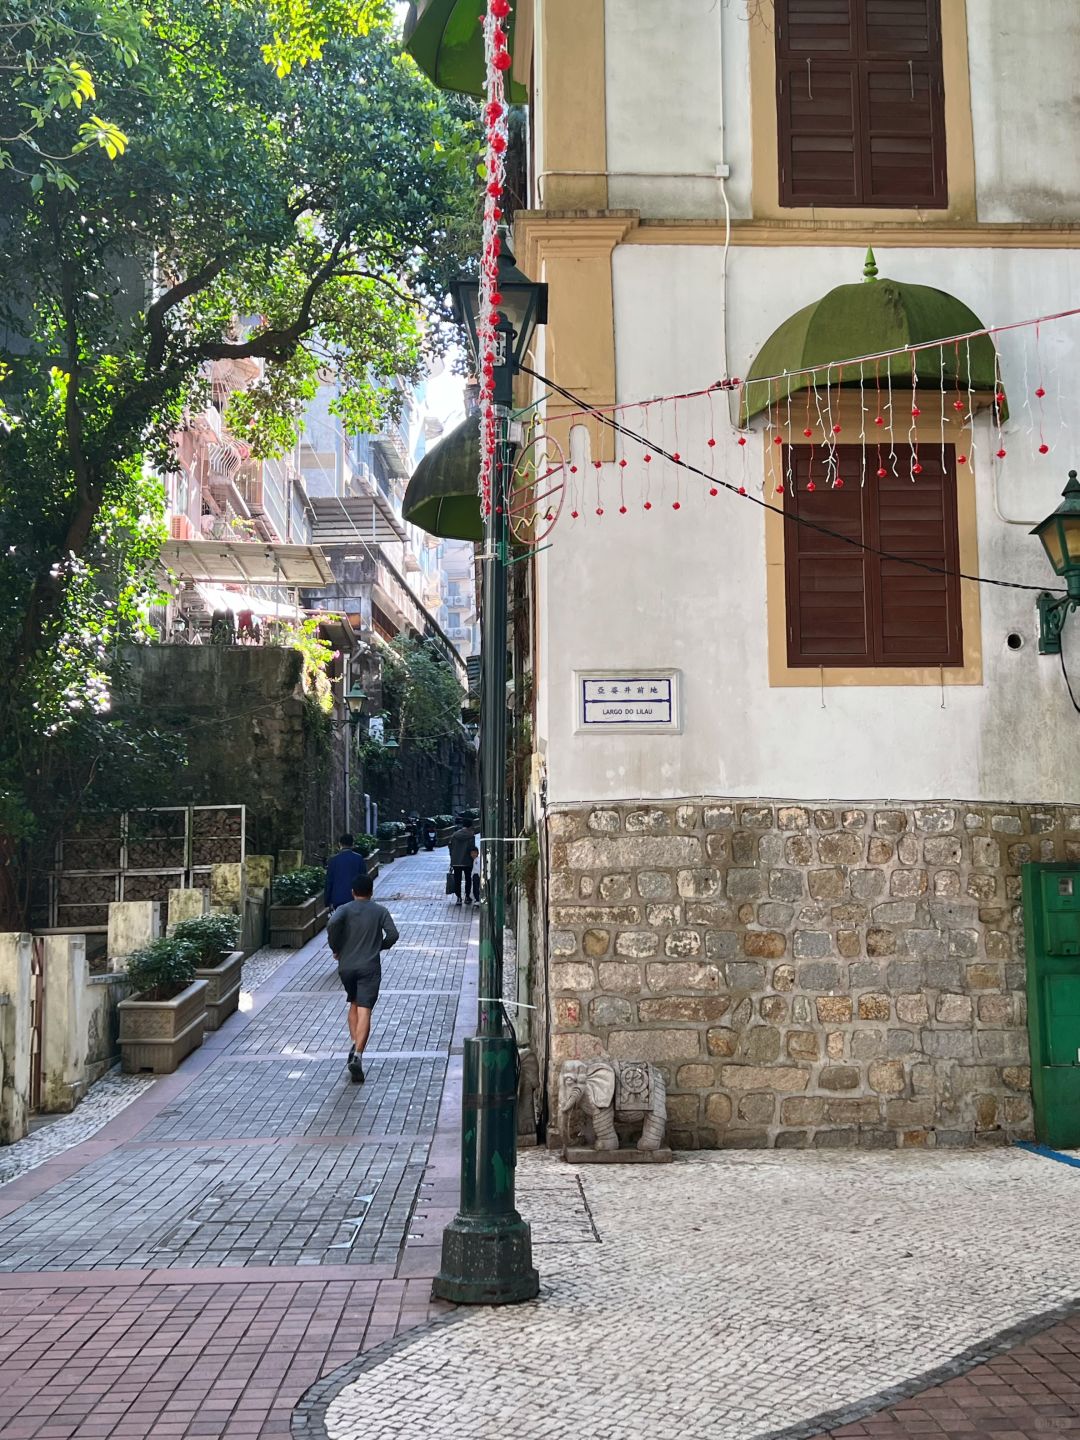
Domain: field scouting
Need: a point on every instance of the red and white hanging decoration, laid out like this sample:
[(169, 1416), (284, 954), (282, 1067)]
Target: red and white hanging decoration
[(498, 62)]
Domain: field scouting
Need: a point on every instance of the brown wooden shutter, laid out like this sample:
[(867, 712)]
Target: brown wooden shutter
[(827, 580), (917, 613), (851, 606), (818, 102), (861, 103)]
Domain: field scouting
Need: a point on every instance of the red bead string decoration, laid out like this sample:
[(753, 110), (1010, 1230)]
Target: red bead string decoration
[(497, 62)]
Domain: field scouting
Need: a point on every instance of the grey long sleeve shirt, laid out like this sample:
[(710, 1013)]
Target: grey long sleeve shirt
[(358, 934)]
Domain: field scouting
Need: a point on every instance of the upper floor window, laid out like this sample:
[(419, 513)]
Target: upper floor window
[(861, 103), (853, 598)]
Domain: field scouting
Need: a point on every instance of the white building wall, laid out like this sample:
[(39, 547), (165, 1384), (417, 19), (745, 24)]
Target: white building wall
[(673, 106), (687, 588)]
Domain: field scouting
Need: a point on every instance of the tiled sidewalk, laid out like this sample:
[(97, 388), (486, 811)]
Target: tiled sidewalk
[(253, 1221)]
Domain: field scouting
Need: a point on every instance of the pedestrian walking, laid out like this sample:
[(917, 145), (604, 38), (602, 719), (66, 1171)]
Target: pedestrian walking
[(479, 866), (342, 870), (358, 934), (463, 853)]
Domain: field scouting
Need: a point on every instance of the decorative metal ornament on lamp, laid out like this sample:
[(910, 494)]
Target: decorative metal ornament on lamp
[(487, 1247), (1060, 537)]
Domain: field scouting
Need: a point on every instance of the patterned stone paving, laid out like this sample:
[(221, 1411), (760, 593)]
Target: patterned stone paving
[(264, 1204), (187, 1267), (742, 1294), (241, 1099), (104, 1101)]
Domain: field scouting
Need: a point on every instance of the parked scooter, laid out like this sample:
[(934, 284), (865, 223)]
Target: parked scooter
[(413, 832), (428, 832)]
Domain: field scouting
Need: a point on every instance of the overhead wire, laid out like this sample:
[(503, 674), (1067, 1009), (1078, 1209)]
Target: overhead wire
[(788, 515)]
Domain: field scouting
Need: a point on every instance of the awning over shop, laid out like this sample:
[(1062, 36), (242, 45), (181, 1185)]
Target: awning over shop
[(446, 39), (216, 597), (443, 495), (246, 562), (866, 319)]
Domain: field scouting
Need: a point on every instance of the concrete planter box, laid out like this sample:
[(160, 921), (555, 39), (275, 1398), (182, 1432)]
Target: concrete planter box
[(222, 988), (401, 845), (373, 866), (157, 1034), (294, 925), (384, 856)]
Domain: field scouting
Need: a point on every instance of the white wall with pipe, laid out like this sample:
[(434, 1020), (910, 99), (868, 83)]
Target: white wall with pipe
[(686, 588), (678, 100)]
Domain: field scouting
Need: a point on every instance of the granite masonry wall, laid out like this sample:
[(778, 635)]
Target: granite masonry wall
[(848, 975)]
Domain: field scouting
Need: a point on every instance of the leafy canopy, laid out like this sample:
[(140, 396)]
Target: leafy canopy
[(188, 186)]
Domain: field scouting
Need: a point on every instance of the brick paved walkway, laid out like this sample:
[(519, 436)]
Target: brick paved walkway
[(1030, 1392), (253, 1221)]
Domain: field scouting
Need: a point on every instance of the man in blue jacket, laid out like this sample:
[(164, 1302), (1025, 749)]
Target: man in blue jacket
[(342, 870)]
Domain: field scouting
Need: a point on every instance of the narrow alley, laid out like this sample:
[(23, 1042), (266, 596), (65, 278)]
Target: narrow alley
[(160, 1278)]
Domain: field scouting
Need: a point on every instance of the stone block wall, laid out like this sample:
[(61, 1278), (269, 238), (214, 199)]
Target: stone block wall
[(847, 975)]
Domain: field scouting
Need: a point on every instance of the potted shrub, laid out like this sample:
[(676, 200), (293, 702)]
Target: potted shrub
[(368, 846), (164, 1018), (297, 911), (214, 938), (391, 839)]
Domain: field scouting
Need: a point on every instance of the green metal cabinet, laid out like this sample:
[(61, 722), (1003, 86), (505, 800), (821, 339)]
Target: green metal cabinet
[(1052, 935)]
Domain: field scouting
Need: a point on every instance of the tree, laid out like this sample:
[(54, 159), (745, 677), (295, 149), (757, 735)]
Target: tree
[(188, 182)]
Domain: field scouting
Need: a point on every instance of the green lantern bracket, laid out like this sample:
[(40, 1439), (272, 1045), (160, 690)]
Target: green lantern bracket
[(1053, 612), (1059, 535)]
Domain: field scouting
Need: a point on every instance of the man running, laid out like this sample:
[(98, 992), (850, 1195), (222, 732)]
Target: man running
[(358, 934)]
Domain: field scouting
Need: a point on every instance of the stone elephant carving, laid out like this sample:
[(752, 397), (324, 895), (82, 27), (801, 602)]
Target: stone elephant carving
[(602, 1089)]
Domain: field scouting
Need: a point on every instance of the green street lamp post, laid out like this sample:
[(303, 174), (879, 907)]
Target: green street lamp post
[(1060, 536), (487, 1247)]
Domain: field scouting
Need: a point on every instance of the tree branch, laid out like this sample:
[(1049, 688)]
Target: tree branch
[(175, 295), (279, 344)]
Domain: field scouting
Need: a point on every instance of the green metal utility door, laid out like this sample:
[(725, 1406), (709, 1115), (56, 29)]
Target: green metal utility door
[(1052, 933)]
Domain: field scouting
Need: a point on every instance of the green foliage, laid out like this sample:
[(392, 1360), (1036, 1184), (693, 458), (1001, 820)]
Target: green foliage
[(524, 870), (211, 937), (442, 821), (365, 844), (165, 173), (162, 969), (296, 886), (389, 830), (422, 694)]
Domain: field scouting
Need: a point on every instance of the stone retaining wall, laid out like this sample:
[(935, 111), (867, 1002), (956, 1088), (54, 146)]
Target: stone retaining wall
[(848, 975)]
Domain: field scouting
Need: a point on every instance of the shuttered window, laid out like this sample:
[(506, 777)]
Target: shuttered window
[(861, 103), (850, 606)]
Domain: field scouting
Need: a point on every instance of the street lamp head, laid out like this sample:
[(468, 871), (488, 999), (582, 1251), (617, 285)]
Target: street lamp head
[(1060, 536), (523, 305), (355, 700)]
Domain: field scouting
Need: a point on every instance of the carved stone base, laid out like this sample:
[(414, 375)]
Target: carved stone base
[(586, 1155)]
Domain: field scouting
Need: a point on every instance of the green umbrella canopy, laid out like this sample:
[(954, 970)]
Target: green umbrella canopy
[(864, 319), (443, 495), (446, 39)]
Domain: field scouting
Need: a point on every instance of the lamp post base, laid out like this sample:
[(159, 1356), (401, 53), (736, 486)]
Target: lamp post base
[(486, 1261)]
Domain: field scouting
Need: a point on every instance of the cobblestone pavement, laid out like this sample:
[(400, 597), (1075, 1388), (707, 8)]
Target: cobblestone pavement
[(752, 1294), (190, 1265)]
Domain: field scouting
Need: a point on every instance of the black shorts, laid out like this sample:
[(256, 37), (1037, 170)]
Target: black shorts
[(361, 986)]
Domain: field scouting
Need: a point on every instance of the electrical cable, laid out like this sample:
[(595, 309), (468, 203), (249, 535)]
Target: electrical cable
[(716, 481), (1068, 682), (733, 383)]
